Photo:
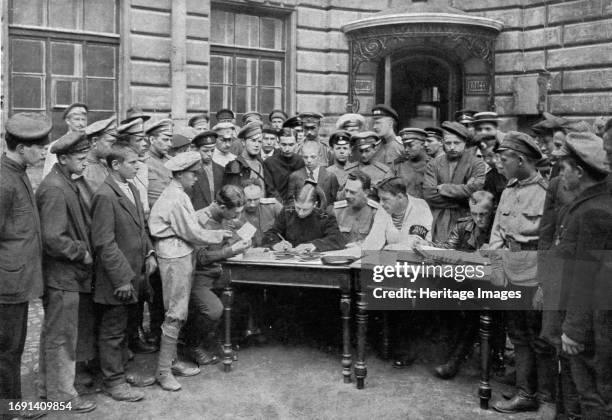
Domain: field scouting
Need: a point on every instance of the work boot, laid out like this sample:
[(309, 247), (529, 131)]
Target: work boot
[(450, 369), (201, 356), (124, 392), (164, 376), (180, 368), (81, 405), (139, 381), (520, 403), (139, 346)]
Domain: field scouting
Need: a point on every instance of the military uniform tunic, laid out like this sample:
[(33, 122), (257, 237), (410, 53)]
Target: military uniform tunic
[(355, 224), (412, 172), (340, 172), (159, 176), (375, 170), (390, 149)]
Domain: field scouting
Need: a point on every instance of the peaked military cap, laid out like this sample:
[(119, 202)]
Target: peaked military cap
[(205, 138), (522, 143), (134, 113), (310, 117), (293, 122), (225, 114), (182, 136), (75, 108), (465, 116), (340, 138), (134, 126), (409, 134), (278, 113), (269, 130), (364, 139), (382, 110), (107, 126), (350, 120), (71, 142), (252, 116), (485, 117), (162, 126), (434, 132), (30, 127), (252, 129), (196, 118)]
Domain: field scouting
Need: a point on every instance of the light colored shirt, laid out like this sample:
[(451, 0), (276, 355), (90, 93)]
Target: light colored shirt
[(125, 188), (141, 183), (222, 158)]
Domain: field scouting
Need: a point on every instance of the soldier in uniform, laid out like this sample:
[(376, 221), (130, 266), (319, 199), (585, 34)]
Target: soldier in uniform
[(278, 167), (355, 214), (340, 144), (385, 120), (450, 179), (433, 142), (295, 123), (411, 165), (277, 118), (259, 211), (311, 122), (102, 135), (160, 139), (227, 116), (269, 142), (75, 117), (248, 164), (200, 122), (132, 133), (353, 123), (210, 177), (515, 232), (368, 143), (225, 139)]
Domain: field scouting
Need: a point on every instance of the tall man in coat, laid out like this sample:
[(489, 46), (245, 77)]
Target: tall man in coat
[(278, 167), (450, 179), (67, 269), (210, 177), (20, 242), (124, 258), (248, 164)]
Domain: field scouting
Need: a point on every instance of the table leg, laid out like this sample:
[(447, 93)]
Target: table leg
[(228, 352), (484, 389), (345, 310), (361, 370)]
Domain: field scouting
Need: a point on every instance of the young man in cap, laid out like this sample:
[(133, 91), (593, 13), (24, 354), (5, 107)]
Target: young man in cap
[(584, 244), (269, 142), (248, 165), (411, 165), (353, 123), (487, 123), (313, 171), (174, 225), (450, 179), (102, 135), (67, 270), (433, 142), (311, 122), (75, 117), (133, 134), (278, 167), (295, 123), (355, 214), (385, 120), (124, 260), (466, 118), (210, 177), (226, 116), (225, 139), (200, 122), (340, 144), (259, 211), (367, 144), (160, 140), (21, 277), (515, 234), (277, 118)]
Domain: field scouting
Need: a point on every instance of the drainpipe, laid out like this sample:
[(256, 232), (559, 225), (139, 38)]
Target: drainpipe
[(178, 62)]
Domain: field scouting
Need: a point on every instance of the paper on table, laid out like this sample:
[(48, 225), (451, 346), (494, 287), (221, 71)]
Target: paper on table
[(247, 231)]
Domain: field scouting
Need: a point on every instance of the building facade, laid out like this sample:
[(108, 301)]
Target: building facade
[(425, 58)]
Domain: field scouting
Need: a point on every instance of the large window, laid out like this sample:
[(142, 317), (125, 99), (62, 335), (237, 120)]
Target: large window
[(247, 62), (63, 51)]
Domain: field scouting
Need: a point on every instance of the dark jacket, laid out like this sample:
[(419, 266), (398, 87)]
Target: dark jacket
[(120, 242), (65, 233), (20, 236), (319, 228), (495, 183), (466, 236), (325, 180), (200, 192), (277, 169), (238, 170)]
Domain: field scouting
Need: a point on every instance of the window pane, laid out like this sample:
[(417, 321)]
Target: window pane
[(64, 92), (28, 12), (246, 99), (221, 70), (27, 56), (270, 73), (59, 125), (100, 94), (220, 97), (66, 59), (100, 15), (271, 33), (100, 61), (64, 14), (222, 27), (246, 71), (247, 30), (270, 99), (28, 92)]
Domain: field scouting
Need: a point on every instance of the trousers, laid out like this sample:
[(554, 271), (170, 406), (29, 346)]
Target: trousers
[(13, 331), (177, 278), (112, 340), (205, 310)]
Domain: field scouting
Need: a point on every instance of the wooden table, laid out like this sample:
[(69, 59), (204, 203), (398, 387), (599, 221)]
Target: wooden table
[(290, 273)]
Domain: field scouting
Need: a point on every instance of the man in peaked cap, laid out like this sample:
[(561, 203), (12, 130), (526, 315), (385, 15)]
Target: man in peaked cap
[(277, 118), (352, 123), (433, 142), (181, 140), (160, 140), (279, 166), (411, 165), (465, 116), (225, 141), (340, 144), (516, 228), (311, 123), (385, 121), (26, 135), (487, 122), (367, 144), (210, 177), (102, 135), (269, 142), (134, 113), (75, 117), (225, 115), (247, 165), (201, 122), (252, 116), (295, 123), (67, 272), (450, 179)]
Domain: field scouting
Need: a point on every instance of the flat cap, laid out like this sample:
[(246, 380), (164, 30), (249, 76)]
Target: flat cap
[(134, 113), (223, 125), (163, 126), (205, 138), (550, 122), (310, 117), (75, 108), (186, 161), (30, 127), (364, 139), (71, 142), (485, 117), (434, 132), (293, 122), (250, 130), (278, 113), (577, 127), (182, 136), (225, 114), (457, 129), (588, 149), (107, 126), (135, 126), (409, 134), (252, 116), (197, 118), (350, 120), (340, 138), (522, 143), (270, 130), (382, 110), (465, 116)]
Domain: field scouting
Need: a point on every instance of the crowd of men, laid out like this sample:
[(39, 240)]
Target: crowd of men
[(142, 211)]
